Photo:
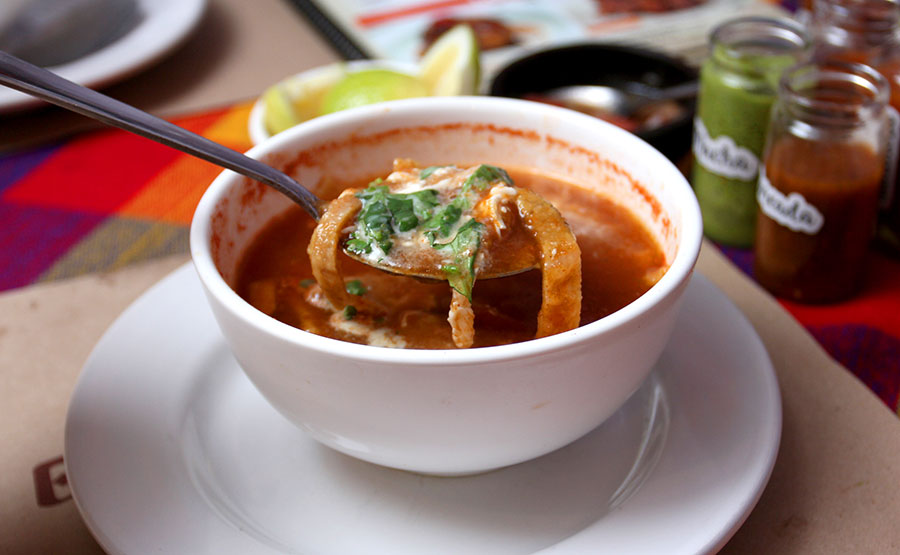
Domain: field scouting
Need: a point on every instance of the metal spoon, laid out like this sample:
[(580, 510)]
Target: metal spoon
[(624, 100), (38, 82), (43, 84)]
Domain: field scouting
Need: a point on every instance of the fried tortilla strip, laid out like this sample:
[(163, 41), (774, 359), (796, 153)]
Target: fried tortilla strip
[(325, 244), (560, 264), (462, 320)]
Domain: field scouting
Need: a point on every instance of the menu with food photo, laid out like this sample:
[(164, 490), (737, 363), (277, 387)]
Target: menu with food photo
[(402, 29)]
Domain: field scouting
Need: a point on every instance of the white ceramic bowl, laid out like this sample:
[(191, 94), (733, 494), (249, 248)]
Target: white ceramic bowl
[(450, 411), (256, 123)]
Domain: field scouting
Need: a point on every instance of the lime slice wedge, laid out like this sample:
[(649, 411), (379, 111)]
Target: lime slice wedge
[(299, 98), (370, 86), (279, 112), (450, 67), (308, 94)]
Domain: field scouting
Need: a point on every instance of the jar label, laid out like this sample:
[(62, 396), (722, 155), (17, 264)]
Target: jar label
[(722, 156), (792, 210)]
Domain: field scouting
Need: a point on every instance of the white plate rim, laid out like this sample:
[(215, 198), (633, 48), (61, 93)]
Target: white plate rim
[(164, 26), (769, 425)]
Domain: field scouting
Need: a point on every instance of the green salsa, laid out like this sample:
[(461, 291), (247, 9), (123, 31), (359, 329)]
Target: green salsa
[(738, 83)]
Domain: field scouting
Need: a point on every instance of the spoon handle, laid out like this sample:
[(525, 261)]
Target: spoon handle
[(35, 81)]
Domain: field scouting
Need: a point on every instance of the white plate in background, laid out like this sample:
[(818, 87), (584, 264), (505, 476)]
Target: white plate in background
[(163, 25)]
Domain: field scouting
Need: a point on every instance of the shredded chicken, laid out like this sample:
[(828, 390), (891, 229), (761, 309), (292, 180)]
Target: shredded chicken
[(498, 208), (316, 297), (462, 320), (404, 170)]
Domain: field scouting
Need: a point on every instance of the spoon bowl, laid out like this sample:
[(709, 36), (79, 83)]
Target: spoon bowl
[(516, 259), (523, 263)]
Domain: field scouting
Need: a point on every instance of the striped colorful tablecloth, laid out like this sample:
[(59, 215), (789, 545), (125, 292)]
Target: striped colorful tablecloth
[(105, 199), (862, 333)]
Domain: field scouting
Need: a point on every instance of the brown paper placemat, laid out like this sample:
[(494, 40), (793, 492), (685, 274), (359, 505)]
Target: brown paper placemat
[(835, 487), (46, 334), (836, 483)]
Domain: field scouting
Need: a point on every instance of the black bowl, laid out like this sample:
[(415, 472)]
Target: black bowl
[(604, 64)]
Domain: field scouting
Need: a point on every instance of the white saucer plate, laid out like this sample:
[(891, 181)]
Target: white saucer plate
[(170, 449), (163, 26)]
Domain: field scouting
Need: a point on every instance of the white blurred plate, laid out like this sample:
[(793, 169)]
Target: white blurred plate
[(163, 25), (170, 449)]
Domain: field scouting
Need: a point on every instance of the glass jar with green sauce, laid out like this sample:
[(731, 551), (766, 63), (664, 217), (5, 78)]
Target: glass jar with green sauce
[(738, 83)]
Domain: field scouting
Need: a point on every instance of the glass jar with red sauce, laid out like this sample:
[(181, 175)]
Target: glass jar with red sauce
[(868, 32), (823, 167)]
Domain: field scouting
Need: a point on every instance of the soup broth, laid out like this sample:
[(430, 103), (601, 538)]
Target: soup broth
[(620, 261)]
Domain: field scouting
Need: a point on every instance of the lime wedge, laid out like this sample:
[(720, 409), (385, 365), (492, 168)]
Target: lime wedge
[(450, 67), (307, 94), (370, 86), (279, 113), (299, 98)]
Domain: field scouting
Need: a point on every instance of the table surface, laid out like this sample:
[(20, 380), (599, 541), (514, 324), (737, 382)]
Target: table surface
[(835, 485)]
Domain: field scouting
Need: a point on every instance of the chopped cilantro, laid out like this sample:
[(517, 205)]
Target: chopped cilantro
[(372, 191), (423, 202), (464, 246), (384, 213), (304, 283), (349, 312), (358, 246), (484, 175), (402, 212), (355, 287), (444, 218), (374, 221)]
